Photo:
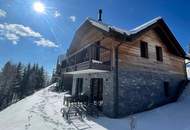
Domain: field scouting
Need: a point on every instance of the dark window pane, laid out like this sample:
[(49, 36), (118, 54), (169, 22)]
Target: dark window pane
[(79, 86), (159, 55), (144, 49)]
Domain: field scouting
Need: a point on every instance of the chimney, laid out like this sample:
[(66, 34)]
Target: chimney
[(100, 15)]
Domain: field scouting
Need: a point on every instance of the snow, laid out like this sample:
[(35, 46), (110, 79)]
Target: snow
[(97, 61), (188, 68), (99, 24), (145, 25), (122, 31), (41, 111), (107, 27), (86, 71)]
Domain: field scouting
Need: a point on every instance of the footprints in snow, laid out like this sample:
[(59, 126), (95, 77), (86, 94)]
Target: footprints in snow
[(28, 125), (39, 109)]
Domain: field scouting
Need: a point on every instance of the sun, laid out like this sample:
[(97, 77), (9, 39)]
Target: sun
[(39, 7)]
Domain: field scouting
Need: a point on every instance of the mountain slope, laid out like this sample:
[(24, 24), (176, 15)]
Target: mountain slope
[(33, 112), (41, 111)]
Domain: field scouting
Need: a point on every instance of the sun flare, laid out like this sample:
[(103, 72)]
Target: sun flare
[(39, 7)]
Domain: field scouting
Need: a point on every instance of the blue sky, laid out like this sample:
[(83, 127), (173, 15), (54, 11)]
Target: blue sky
[(29, 36)]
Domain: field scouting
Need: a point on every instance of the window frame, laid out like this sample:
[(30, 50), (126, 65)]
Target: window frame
[(159, 53), (79, 86), (144, 49)]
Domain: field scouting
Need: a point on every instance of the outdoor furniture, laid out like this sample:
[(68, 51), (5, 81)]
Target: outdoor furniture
[(82, 99), (69, 99), (80, 106), (73, 111), (92, 110)]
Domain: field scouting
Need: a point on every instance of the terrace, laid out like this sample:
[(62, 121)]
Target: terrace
[(91, 57)]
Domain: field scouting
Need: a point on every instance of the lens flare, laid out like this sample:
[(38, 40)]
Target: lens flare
[(39, 7)]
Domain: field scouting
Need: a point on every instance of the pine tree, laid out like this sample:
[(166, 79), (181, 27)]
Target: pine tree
[(7, 84), (41, 78), (24, 83), (17, 83), (46, 79)]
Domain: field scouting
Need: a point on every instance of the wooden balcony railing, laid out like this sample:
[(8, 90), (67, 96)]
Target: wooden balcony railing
[(93, 56)]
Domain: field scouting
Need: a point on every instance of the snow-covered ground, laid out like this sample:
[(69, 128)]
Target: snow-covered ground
[(41, 111)]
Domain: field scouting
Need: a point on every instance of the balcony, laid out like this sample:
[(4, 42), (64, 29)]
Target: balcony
[(92, 57)]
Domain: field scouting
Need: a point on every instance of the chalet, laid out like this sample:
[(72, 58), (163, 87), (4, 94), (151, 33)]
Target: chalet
[(126, 71)]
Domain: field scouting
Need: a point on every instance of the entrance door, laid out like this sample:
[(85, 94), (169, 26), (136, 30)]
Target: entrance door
[(96, 95), (79, 85)]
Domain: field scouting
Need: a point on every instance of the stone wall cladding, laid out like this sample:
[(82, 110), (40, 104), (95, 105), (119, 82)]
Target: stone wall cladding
[(140, 90), (107, 88)]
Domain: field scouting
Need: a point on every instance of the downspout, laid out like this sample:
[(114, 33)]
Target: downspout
[(116, 77), (115, 89)]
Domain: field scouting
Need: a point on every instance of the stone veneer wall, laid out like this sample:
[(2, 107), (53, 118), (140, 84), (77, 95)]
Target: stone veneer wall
[(107, 88), (140, 90)]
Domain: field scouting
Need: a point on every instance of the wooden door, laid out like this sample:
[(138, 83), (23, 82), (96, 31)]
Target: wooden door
[(79, 86), (96, 90)]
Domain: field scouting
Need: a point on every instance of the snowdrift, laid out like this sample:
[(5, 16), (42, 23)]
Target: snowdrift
[(41, 111)]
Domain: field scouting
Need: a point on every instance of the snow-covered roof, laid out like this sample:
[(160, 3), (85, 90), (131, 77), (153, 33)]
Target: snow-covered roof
[(128, 34), (133, 32), (145, 25), (107, 27), (99, 24)]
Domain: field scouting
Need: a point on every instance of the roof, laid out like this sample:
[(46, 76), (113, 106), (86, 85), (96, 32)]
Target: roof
[(157, 24), (130, 34), (107, 27)]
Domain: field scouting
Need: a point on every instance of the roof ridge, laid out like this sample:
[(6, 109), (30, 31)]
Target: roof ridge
[(107, 27), (145, 25)]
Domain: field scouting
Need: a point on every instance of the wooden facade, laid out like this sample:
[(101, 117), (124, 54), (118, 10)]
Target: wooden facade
[(129, 56)]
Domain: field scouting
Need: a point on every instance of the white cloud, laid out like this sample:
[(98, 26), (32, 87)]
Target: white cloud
[(45, 43), (2, 13), (19, 30), (12, 37), (14, 32), (72, 18), (57, 14)]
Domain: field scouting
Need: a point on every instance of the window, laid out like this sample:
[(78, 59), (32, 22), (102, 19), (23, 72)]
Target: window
[(144, 49), (159, 55), (166, 88)]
